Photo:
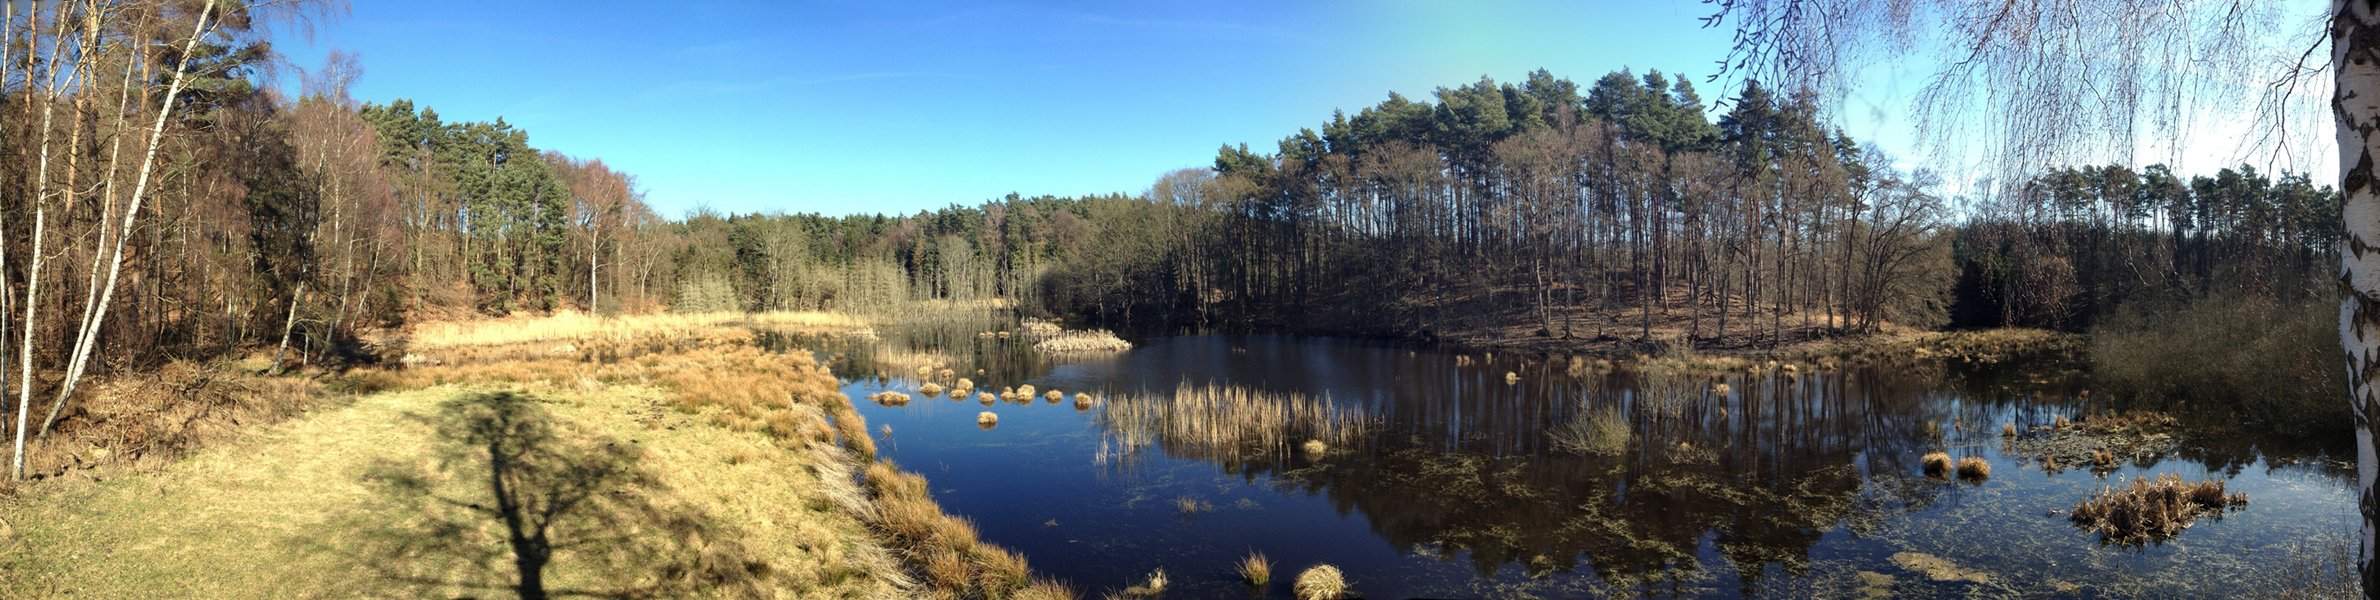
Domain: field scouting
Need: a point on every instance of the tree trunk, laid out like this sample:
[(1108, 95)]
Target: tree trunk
[(288, 325), (140, 188), (2355, 40), (25, 347)]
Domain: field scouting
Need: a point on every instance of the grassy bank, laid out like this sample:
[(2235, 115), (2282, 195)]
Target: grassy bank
[(661, 456)]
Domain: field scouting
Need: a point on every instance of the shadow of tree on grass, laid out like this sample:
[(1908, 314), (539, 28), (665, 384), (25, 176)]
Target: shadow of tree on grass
[(514, 493)]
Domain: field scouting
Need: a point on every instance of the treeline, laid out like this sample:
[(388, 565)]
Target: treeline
[(1570, 206), (2070, 247)]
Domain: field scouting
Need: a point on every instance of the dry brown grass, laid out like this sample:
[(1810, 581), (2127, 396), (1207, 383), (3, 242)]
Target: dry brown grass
[(1974, 469), (147, 420), (567, 326), (2152, 510), (987, 418), (1083, 401), (1230, 421), (1320, 582), (1256, 570), (1937, 464)]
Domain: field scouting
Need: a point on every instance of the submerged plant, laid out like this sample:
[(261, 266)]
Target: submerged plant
[(1190, 506), (1320, 582)]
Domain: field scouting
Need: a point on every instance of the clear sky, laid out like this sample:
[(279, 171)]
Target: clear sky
[(855, 106)]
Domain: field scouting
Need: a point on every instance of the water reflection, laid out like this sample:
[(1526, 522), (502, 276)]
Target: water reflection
[(1496, 475)]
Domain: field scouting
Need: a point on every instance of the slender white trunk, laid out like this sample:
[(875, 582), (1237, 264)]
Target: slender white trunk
[(25, 348), (2355, 52), (140, 189), (288, 325)]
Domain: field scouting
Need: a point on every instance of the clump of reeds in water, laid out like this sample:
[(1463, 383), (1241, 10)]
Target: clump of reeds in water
[(1256, 569), (1152, 588), (1937, 464), (2152, 510), (889, 398), (1025, 392), (1974, 469), (986, 398), (987, 419), (2007, 430), (1511, 378), (963, 385), (1226, 421), (1054, 396), (1071, 342), (930, 389), (1315, 449), (1083, 401), (1601, 432), (1007, 393), (1320, 582)]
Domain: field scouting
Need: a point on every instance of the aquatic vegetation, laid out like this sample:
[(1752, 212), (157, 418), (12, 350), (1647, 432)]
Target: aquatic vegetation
[(1320, 582), (987, 418), (1043, 589), (930, 389), (889, 398), (1191, 506), (1007, 393), (2152, 510), (2007, 430), (1054, 396), (1316, 448), (1974, 469), (1720, 389), (963, 385), (1083, 401), (1601, 432), (1153, 587), (1229, 421), (1937, 464), (1511, 378), (1938, 568), (1025, 392), (1255, 569), (986, 398), (2103, 459)]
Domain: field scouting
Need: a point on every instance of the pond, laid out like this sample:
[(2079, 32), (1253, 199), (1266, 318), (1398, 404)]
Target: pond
[(1449, 475)]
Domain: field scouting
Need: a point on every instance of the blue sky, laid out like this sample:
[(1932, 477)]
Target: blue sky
[(857, 106)]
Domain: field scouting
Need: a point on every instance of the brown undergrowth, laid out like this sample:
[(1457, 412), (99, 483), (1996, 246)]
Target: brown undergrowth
[(719, 369)]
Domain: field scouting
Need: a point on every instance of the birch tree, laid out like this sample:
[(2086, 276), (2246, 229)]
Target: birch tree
[(2061, 81)]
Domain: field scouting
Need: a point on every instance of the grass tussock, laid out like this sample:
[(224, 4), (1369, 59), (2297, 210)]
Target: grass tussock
[(930, 389), (2275, 365), (1974, 469), (953, 557), (1937, 464), (987, 398), (1054, 396), (2152, 510), (987, 419), (1320, 582), (1084, 401), (1256, 570)]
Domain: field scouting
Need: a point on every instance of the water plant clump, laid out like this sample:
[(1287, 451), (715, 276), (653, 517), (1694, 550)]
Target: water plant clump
[(987, 419), (1256, 570), (2152, 510), (1937, 464), (1320, 582), (1974, 469)]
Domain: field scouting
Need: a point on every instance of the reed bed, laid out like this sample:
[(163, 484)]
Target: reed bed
[(1232, 421), (2152, 510), (573, 325), (1601, 432), (1070, 342)]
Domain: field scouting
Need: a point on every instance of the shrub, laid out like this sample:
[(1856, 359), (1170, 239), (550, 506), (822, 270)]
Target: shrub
[(2274, 364)]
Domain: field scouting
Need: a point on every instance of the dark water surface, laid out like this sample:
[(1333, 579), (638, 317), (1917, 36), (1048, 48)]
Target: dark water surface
[(1444, 480)]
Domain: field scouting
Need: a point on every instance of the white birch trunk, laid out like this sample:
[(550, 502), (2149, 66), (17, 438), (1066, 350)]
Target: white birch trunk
[(2355, 52), (140, 189), (25, 349)]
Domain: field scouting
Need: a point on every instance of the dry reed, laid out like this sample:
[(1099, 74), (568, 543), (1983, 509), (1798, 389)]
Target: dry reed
[(1320, 582)]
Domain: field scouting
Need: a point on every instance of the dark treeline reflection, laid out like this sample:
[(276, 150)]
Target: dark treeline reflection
[(1532, 463)]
